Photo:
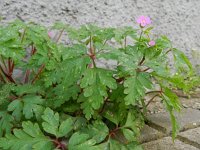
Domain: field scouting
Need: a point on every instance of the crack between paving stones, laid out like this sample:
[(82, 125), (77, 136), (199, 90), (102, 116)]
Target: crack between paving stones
[(165, 134), (190, 127), (157, 127), (187, 141)]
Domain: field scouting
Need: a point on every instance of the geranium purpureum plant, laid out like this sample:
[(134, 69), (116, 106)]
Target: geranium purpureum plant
[(63, 100)]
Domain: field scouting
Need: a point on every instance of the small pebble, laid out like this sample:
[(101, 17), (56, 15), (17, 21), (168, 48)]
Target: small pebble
[(194, 124)]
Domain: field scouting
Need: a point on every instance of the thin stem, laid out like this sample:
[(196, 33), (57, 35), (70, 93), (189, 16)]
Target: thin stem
[(23, 35), (37, 75), (33, 50), (94, 63), (28, 71), (59, 144), (125, 42), (142, 61), (112, 132), (143, 58), (105, 42), (6, 75), (103, 107), (4, 63), (92, 52), (151, 99), (144, 106), (168, 51), (61, 32), (140, 35), (145, 70), (2, 78), (102, 48), (27, 74), (9, 65), (157, 91)]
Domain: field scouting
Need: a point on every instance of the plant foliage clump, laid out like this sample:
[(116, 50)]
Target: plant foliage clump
[(57, 96)]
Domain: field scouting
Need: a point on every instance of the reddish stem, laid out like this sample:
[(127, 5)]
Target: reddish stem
[(141, 62), (160, 91), (151, 99), (61, 32), (27, 74), (8, 76), (145, 70), (92, 53), (9, 66), (59, 144), (113, 132), (39, 72)]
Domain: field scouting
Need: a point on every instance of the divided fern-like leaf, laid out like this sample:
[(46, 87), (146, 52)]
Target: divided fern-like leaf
[(30, 137), (53, 126), (6, 123), (136, 87), (95, 83)]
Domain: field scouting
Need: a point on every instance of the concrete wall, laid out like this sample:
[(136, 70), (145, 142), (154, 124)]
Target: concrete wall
[(178, 19)]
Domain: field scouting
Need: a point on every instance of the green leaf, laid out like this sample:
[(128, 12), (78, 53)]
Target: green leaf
[(30, 137), (5, 92), (51, 121), (123, 32), (95, 83), (6, 123), (133, 125), (10, 43), (135, 87), (32, 105), (53, 126), (65, 127), (159, 65), (172, 104), (148, 30), (16, 107), (116, 111), (172, 99), (26, 89), (129, 134), (81, 141), (74, 51), (29, 105), (98, 131), (181, 60)]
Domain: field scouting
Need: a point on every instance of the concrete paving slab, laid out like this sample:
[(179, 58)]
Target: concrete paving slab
[(149, 134), (191, 137), (188, 119), (167, 144)]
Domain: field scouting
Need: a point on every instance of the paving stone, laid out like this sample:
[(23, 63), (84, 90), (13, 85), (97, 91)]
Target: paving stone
[(191, 137), (167, 144), (187, 119), (149, 134)]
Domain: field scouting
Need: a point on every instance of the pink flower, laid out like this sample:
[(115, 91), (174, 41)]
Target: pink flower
[(152, 43), (143, 21), (50, 34)]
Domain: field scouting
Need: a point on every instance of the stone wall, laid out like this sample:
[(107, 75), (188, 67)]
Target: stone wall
[(178, 19)]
